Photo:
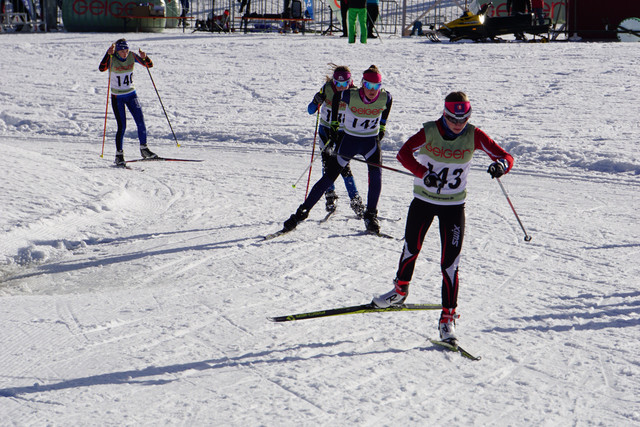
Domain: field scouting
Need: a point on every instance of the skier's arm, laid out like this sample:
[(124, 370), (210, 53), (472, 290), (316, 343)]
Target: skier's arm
[(144, 60), (383, 117), (407, 159), (483, 142), (387, 110), (105, 63), (318, 99)]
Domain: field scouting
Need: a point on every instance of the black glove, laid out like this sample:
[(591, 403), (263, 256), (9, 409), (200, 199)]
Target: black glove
[(496, 169), (431, 179), (381, 132), (319, 98)]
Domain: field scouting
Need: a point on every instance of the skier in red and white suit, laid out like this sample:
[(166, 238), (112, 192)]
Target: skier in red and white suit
[(444, 149)]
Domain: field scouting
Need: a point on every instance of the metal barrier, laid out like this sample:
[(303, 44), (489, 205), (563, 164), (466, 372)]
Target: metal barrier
[(18, 21), (325, 20)]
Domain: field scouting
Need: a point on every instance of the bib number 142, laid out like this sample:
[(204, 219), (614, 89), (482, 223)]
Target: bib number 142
[(365, 123)]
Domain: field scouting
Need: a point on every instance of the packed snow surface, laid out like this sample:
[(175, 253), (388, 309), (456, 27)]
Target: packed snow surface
[(141, 297)]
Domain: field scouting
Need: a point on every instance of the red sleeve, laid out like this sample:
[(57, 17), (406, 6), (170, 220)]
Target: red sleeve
[(405, 155), (483, 142)]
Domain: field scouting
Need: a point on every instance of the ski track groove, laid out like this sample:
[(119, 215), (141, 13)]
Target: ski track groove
[(73, 325), (291, 391), (265, 377)]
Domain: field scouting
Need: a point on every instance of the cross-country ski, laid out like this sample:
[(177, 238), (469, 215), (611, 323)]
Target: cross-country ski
[(164, 159), (355, 309), (455, 348)]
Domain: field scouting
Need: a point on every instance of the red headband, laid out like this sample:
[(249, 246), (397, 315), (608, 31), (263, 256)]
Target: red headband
[(459, 110), (372, 76)]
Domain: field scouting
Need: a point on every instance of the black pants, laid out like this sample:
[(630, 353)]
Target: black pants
[(344, 7), (326, 157), (369, 148), (451, 219), (372, 15)]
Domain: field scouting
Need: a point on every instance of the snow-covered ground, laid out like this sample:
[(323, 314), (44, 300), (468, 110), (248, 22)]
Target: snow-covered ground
[(140, 297)]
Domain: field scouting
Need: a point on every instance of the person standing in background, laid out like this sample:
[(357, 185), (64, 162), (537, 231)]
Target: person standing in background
[(344, 9), (517, 7), (185, 10), (358, 12), (373, 12), (538, 10)]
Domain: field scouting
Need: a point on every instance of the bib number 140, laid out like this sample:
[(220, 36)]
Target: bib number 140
[(124, 80)]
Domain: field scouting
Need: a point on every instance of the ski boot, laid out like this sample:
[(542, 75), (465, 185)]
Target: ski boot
[(146, 153), (394, 297), (120, 158), (371, 221), (357, 206), (301, 214), (331, 200), (447, 325)]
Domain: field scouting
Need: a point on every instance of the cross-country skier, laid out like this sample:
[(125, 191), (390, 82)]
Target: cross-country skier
[(340, 81), (366, 112), (120, 61), (444, 150)]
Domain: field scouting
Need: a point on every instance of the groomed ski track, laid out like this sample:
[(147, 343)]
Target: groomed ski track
[(173, 294)]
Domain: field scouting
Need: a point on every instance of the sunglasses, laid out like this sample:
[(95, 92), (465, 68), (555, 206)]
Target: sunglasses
[(345, 83), (369, 85), (456, 120)]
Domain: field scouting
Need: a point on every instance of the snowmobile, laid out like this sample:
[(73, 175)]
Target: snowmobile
[(479, 27)]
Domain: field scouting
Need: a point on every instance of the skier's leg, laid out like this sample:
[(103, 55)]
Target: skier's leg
[(374, 155), (419, 219), (121, 120), (136, 111), (328, 178), (452, 222)]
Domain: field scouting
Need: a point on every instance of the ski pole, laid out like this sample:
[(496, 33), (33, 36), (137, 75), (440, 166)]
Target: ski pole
[(311, 162), (165, 111), (375, 164), (106, 109), (361, 161), (527, 237), (312, 153), (374, 27), (301, 175)]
